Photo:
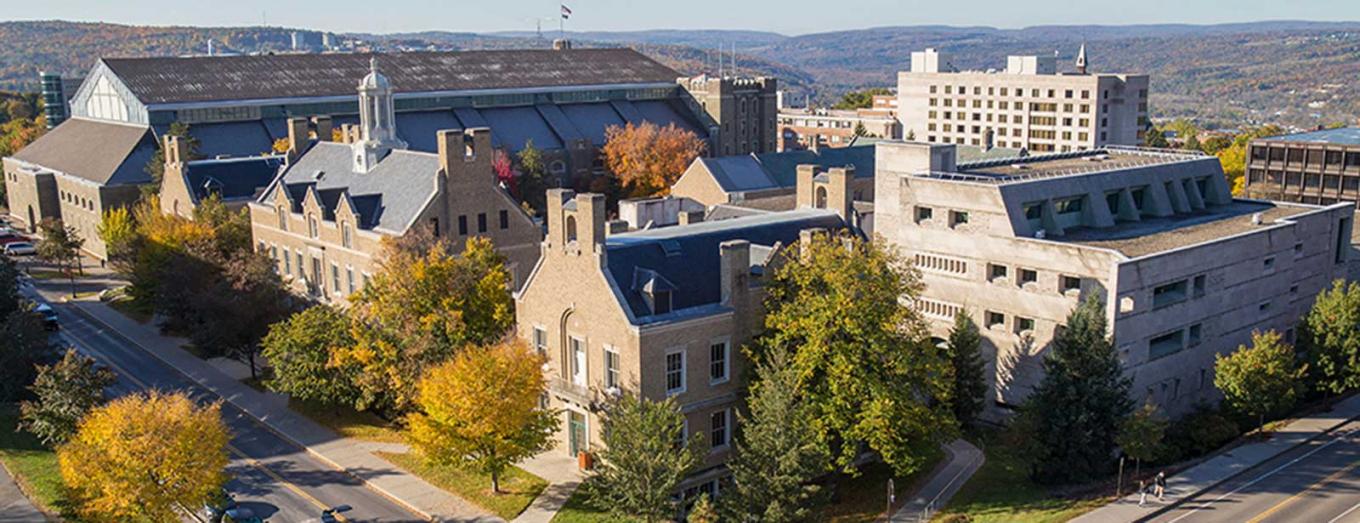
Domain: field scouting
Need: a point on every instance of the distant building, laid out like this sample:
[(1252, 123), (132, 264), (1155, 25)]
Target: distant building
[(1185, 272), (741, 112), (56, 96), (1319, 167), (1028, 105), (810, 128)]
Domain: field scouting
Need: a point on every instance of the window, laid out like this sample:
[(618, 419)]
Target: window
[(661, 302), (1268, 264), (1069, 205), (1165, 345), (434, 226), (1196, 333), (996, 320), (718, 434), (924, 213), (1068, 283), (578, 361), (287, 263), (957, 218), (462, 225), (1168, 294), (481, 222), (1024, 325), (1028, 276), (1264, 306), (717, 362), (300, 268), (997, 272), (505, 219), (335, 278), (349, 279), (347, 235), (283, 218), (541, 340), (675, 372), (1200, 284), (1034, 210), (611, 368), (312, 227)]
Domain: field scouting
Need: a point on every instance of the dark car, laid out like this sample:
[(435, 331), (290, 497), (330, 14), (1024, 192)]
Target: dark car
[(49, 316)]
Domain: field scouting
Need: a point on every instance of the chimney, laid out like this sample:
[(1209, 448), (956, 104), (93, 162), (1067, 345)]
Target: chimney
[(590, 220), (466, 155), (324, 128), (557, 235), (804, 189), (735, 272), (838, 195), (297, 137), (449, 144), (690, 217)]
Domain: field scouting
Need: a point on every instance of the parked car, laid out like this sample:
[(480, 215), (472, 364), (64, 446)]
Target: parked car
[(9, 236), (49, 316), (20, 249), (217, 507)]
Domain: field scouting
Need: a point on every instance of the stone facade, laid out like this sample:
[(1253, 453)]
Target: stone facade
[(741, 112)]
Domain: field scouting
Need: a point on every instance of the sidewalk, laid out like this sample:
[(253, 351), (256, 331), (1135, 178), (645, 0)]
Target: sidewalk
[(563, 477), (1220, 468), (348, 455), (14, 507), (964, 460)]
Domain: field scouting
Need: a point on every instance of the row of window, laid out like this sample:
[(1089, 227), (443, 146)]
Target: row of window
[(676, 372), (1299, 156), (998, 273), (284, 263), (73, 199), (1019, 91), (1298, 180), (956, 217), (1003, 105)]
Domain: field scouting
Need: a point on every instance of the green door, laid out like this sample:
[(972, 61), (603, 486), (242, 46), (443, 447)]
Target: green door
[(576, 432)]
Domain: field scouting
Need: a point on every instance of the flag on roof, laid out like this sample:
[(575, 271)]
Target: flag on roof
[(566, 12)]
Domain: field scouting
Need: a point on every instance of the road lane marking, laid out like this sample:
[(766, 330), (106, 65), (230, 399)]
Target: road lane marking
[(1343, 514), (1331, 477), (76, 340), (1266, 475)]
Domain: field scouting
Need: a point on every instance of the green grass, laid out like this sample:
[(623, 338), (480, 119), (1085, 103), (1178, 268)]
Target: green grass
[(518, 488), (47, 274), (34, 466), (577, 509), (348, 422), (864, 498), (1001, 491), (132, 310)]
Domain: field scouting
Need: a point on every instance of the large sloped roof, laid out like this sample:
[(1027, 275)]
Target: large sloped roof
[(389, 197), (107, 153), (217, 78), (232, 179)]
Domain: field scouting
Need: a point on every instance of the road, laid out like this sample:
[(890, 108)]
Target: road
[(1318, 482), (278, 480)]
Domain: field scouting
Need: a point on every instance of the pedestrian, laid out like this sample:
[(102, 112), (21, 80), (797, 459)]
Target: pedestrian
[(1161, 485), (1142, 492)]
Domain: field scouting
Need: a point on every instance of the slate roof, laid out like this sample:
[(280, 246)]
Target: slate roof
[(687, 257), (758, 172), (107, 153), (161, 80), (389, 197), (232, 179), (1342, 136)]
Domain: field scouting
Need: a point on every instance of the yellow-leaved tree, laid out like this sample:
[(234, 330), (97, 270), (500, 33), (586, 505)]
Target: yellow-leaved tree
[(480, 411), (140, 457)]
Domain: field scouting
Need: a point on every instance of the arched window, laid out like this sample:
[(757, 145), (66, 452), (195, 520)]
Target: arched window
[(821, 198), (571, 228)]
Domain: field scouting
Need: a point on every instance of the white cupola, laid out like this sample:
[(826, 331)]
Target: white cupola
[(377, 120)]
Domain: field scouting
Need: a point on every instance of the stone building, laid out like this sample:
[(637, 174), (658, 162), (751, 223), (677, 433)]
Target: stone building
[(1029, 105), (741, 112), (810, 128), (323, 218), (1320, 167), (1185, 270), (660, 313)]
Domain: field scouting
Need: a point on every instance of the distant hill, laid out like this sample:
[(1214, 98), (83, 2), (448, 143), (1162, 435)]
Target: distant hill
[(1288, 72)]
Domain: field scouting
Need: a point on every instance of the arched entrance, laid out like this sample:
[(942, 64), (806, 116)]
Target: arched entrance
[(32, 222)]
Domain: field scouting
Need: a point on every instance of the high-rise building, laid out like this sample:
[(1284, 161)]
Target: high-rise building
[(1029, 105)]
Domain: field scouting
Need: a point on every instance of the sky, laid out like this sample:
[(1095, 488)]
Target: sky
[(790, 17)]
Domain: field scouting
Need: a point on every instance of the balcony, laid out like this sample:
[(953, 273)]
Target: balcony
[(577, 393)]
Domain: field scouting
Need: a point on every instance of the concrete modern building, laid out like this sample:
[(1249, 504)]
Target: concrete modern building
[(809, 128), (1028, 105), (324, 217), (741, 112), (1320, 167), (1185, 270), (660, 313)]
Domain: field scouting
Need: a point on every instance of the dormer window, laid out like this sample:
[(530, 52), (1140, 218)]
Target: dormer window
[(661, 302), (312, 227)]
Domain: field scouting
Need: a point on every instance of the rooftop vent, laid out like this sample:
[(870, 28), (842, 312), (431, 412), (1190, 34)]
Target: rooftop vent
[(1258, 218), (1020, 166), (318, 174), (671, 247)]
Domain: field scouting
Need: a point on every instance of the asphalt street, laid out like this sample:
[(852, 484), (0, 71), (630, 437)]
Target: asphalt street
[(276, 479), (1317, 482)]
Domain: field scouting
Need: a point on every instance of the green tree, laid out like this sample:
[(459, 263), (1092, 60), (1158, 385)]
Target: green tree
[(1142, 435), (118, 229), (1234, 157), (645, 457), (65, 392), (1155, 138), (1191, 143), (245, 297), (1330, 336), (155, 167), (25, 341), (860, 130), (533, 184), (1262, 380), (860, 99), (480, 411), (702, 511), (967, 368), (1076, 410), (870, 378), (300, 348), (778, 452), (60, 244)]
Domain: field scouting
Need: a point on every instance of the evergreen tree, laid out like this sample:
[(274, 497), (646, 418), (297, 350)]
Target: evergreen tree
[(155, 167), (1330, 337), (777, 450), (644, 460), (970, 380), (1076, 411), (533, 183), (702, 511)]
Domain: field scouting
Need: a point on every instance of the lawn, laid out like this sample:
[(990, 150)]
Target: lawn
[(33, 465), (132, 310), (1002, 491), (518, 488), (48, 274), (578, 510), (348, 422)]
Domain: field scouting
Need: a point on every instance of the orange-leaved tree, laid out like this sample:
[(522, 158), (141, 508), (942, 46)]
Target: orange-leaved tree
[(480, 411), (648, 159)]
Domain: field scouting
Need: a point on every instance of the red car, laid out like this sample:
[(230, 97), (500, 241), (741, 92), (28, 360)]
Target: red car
[(8, 236)]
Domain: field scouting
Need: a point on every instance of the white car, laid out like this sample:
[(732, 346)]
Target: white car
[(20, 249)]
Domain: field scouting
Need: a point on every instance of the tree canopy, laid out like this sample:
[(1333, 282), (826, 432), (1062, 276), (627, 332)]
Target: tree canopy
[(967, 369), (1330, 336), (299, 349), (1262, 380), (645, 457), (65, 392), (861, 99), (647, 159)]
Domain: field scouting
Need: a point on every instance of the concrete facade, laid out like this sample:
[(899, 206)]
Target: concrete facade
[(1029, 105), (741, 112), (1321, 167), (1184, 270)]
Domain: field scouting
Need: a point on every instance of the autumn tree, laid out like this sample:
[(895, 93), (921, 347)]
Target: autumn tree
[(1233, 158), (778, 452), (66, 391), (1074, 414), (299, 349), (645, 457), (648, 159), (702, 510), (1261, 380), (419, 311), (533, 183), (480, 411), (143, 457), (967, 369), (1155, 138), (1330, 336), (870, 378), (118, 229), (1142, 435), (505, 172)]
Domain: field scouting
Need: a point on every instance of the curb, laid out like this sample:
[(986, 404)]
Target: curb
[(260, 422), (1168, 507)]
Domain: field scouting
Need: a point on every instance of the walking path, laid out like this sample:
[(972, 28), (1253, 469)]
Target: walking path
[(14, 507), (1222, 467), (563, 477), (343, 453), (964, 460)]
